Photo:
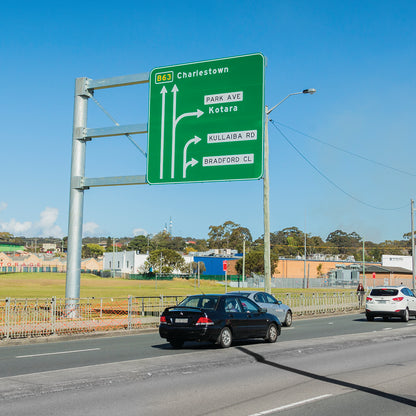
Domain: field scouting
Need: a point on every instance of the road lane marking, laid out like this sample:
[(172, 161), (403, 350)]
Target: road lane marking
[(288, 406), (57, 353)]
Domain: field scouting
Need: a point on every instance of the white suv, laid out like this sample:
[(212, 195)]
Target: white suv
[(390, 301)]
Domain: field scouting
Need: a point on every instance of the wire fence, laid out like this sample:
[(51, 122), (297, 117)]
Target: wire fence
[(23, 318), (321, 302)]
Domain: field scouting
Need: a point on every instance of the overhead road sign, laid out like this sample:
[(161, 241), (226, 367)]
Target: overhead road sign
[(206, 121)]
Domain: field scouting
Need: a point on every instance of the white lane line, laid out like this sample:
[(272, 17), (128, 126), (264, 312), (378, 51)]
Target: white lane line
[(57, 353), (288, 406)]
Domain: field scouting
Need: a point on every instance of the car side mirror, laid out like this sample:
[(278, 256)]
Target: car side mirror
[(279, 302), (263, 310)]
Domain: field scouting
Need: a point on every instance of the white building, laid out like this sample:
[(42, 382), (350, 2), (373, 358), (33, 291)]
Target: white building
[(124, 261), (131, 262), (389, 260)]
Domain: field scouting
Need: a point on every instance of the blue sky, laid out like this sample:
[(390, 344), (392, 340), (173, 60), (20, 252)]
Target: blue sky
[(359, 55)]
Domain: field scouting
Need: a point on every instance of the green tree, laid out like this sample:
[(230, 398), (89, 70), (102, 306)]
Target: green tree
[(140, 243), (288, 242), (6, 237), (394, 247), (92, 250), (229, 235), (254, 263), (346, 244), (202, 267), (319, 270), (165, 261), (109, 244)]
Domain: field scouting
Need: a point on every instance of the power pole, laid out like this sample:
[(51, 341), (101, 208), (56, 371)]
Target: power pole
[(304, 262), (363, 265)]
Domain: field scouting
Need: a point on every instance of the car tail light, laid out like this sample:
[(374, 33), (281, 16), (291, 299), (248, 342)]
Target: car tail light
[(204, 320), (163, 319), (398, 299), (368, 299)]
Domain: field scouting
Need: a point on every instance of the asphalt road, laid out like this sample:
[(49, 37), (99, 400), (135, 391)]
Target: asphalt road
[(318, 366)]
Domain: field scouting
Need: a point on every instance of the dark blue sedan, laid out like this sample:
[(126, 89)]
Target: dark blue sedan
[(218, 319)]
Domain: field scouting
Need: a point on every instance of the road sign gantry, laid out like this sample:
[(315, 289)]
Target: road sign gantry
[(206, 121)]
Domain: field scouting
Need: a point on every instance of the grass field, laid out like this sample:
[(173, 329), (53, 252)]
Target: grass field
[(46, 285)]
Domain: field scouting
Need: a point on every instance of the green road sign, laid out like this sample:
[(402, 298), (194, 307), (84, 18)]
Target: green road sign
[(206, 121)]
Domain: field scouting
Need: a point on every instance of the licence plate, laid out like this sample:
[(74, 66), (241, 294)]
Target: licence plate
[(181, 320), (382, 301)]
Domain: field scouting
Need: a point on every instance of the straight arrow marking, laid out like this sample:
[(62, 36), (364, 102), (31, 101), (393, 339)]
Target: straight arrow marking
[(162, 130), (172, 172)]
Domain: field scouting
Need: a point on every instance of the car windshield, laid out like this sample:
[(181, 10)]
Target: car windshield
[(204, 302), (384, 292)]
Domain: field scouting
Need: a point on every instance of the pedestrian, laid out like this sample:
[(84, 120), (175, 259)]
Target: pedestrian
[(360, 294)]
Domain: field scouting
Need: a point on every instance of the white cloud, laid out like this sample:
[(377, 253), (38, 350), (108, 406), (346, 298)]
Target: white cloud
[(46, 226), (139, 231), (90, 229), (16, 228)]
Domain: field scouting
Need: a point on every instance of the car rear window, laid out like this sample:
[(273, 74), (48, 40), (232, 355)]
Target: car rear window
[(206, 302), (384, 292)]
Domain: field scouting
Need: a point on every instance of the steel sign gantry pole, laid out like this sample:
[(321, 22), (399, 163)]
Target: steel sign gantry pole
[(76, 199), (413, 245), (266, 193), (84, 89)]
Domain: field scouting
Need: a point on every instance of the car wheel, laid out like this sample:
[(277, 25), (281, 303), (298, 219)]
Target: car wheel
[(405, 317), (288, 320), (272, 333), (370, 318), (225, 338), (176, 343)]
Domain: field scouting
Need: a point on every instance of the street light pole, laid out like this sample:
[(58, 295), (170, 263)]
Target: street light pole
[(266, 192)]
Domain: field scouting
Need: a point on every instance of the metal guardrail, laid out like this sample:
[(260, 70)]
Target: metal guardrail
[(23, 318)]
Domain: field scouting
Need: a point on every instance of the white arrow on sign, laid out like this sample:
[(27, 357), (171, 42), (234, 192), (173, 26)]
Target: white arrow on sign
[(162, 130), (198, 113), (193, 161)]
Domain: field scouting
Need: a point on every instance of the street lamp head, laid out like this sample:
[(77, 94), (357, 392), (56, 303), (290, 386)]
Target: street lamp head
[(309, 91)]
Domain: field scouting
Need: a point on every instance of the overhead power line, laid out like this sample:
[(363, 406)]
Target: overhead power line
[(330, 180), (346, 151)]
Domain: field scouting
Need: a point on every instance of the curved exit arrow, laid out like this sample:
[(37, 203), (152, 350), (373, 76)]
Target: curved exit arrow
[(193, 161), (198, 113)]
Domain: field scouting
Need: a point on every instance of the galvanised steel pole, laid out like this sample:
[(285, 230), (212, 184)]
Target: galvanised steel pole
[(266, 209), (76, 198), (413, 247), (266, 192), (364, 265)]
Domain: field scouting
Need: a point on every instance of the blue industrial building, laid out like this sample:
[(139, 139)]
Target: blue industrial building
[(213, 264)]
